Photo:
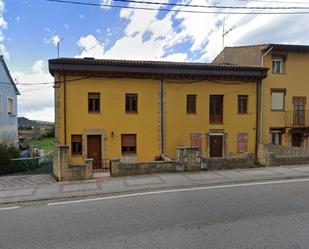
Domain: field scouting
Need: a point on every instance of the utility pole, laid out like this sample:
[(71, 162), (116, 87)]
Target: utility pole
[(58, 47)]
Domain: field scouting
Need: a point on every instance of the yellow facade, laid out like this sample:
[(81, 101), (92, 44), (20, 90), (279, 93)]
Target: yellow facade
[(294, 80), (178, 125)]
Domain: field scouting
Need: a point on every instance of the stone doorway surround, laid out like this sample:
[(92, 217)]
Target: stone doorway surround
[(87, 132), (224, 142)]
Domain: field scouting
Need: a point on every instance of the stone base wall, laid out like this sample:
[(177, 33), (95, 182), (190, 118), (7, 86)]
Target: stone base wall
[(219, 163), (276, 155), (124, 169), (66, 172)]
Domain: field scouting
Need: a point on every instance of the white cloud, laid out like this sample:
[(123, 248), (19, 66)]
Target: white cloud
[(38, 67), (204, 30), (90, 47), (46, 114), (3, 25), (53, 39), (36, 101), (106, 2)]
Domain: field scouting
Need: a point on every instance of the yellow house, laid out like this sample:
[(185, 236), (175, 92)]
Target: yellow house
[(141, 110), (285, 117)]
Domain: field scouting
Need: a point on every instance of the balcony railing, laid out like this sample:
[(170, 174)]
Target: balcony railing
[(298, 118)]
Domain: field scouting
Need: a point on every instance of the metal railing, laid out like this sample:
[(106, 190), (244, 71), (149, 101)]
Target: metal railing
[(298, 118)]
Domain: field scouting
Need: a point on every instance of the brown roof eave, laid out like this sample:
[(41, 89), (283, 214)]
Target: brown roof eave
[(158, 72)]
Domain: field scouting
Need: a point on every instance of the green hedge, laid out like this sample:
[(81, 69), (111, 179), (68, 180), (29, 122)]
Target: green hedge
[(6, 154), (24, 164)]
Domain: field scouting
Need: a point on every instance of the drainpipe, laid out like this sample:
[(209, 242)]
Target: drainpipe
[(162, 116), (65, 109), (258, 116), (262, 99)]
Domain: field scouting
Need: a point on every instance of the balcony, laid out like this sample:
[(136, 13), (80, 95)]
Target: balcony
[(299, 118)]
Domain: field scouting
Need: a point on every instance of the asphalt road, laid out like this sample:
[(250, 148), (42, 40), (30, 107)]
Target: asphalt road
[(270, 216)]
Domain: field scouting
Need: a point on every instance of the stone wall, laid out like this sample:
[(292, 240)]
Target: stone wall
[(125, 169), (67, 172), (276, 155), (218, 163)]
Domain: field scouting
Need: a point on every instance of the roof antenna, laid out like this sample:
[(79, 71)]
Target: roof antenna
[(225, 32), (58, 47)]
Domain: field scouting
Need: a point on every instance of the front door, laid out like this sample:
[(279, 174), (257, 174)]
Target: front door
[(299, 111), (296, 139), (94, 150), (216, 142)]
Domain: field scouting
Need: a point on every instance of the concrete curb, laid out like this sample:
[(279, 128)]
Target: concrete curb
[(70, 196)]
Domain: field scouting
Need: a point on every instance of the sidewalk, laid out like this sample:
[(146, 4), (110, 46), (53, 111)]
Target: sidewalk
[(44, 187)]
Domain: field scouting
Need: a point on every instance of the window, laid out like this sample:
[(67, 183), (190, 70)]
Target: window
[(93, 102), (128, 143), (276, 136), (216, 109), (76, 141), (10, 106), (242, 104), (191, 104), (277, 66), (277, 99), (131, 103)]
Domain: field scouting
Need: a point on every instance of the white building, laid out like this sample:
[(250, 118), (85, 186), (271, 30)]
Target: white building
[(8, 106)]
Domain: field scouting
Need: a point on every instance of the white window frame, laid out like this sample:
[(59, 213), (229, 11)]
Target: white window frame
[(275, 106), (277, 134), (280, 66), (10, 113)]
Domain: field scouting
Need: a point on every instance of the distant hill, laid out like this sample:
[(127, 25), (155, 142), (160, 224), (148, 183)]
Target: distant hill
[(26, 122)]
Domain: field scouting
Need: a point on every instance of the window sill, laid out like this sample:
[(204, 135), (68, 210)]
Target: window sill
[(274, 110), (191, 113), (94, 112), (76, 155), (131, 112), (245, 113)]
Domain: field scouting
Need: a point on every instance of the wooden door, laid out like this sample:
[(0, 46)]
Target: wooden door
[(94, 150), (216, 142), (299, 110), (296, 139)]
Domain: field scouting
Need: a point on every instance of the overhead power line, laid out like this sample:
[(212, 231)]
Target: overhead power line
[(215, 6), (272, 1), (186, 10)]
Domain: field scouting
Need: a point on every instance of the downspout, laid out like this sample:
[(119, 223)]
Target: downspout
[(258, 117), (65, 109), (162, 116), (262, 99)]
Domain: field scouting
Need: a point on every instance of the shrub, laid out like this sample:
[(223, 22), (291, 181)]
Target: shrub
[(48, 134), (25, 164), (7, 152)]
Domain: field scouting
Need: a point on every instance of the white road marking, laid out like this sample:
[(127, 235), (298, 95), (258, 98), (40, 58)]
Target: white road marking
[(9, 208), (179, 190)]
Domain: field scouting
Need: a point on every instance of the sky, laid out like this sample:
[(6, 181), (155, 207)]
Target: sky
[(30, 30)]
